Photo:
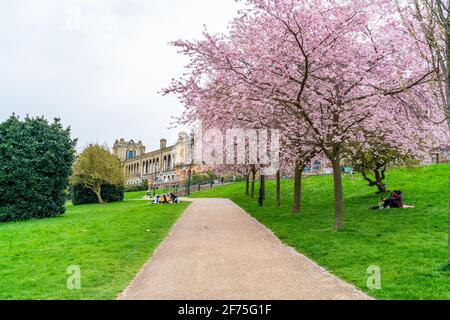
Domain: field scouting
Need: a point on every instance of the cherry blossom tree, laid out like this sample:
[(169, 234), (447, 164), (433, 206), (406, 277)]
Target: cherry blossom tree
[(325, 72), (428, 22), (404, 140), (243, 102)]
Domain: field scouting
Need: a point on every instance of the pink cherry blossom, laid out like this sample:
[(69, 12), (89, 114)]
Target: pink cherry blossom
[(326, 73)]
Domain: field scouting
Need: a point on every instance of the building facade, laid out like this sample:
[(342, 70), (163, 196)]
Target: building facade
[(169, 165)]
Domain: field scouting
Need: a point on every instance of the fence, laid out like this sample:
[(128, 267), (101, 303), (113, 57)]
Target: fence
[(184, 190)]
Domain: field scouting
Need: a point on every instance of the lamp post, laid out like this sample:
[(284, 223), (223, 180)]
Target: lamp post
[(188, 191), (154, 182)]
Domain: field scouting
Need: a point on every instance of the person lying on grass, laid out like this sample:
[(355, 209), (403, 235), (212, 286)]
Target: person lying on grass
[(395, 201)]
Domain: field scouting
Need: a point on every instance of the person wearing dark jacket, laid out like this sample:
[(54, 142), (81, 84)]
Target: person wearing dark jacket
[(396, 200)]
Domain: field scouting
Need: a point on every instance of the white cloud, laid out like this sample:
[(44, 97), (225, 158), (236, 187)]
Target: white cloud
[(100, 72)]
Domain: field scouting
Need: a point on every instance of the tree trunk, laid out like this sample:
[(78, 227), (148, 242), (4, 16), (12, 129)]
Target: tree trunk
[(338, 194), (247, 185), (381, 187), (298, 189), (379, 178), (253, 182), (278, 189), (378, 182), (447, 63), (447, 58), (264, 187), (98, 193)]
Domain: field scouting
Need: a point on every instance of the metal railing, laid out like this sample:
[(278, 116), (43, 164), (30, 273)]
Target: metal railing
[(185, 189)]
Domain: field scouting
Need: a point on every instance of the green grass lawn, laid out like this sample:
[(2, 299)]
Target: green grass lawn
[(410, 245), (110, 243)]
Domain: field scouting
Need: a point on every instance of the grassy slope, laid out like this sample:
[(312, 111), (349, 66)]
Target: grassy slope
[(410, 246), (109, 242)]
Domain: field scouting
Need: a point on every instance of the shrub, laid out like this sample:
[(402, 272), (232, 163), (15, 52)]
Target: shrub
[(203, 178), (143, 186), (96, 167), (83, 195), (35, 164)]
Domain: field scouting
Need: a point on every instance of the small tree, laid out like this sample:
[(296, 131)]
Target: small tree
[(95, 167), (372, 164)]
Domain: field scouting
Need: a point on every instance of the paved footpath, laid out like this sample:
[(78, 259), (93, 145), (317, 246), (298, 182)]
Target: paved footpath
[(216, 251)]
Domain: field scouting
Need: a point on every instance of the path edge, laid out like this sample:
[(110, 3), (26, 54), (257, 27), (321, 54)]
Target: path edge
[(266, 230), (353, 287), (123, 293)]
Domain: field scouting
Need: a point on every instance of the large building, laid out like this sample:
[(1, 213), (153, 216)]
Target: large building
[(169, 165)]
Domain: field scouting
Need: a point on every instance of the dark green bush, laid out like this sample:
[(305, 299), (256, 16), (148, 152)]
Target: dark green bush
[(35, 164), (82, 195)]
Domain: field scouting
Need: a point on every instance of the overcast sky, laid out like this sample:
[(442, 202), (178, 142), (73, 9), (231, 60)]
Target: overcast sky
[(98, 65)]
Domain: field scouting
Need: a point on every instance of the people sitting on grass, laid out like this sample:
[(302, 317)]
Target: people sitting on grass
[(170, 198), (164, 199), (174, 198), (395, 201)]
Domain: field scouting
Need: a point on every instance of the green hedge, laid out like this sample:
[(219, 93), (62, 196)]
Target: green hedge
[(82, 195), (35, 164), (143, 186)]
